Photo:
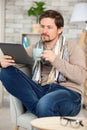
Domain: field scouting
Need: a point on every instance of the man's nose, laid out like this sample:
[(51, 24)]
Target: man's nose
[(45, 30)]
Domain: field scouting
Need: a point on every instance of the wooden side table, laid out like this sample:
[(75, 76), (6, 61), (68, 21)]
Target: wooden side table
[(53, 123)]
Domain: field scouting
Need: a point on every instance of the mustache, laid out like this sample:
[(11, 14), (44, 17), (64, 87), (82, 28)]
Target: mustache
[(44, 34)]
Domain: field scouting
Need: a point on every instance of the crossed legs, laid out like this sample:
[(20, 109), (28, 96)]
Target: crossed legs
[(48, 100)]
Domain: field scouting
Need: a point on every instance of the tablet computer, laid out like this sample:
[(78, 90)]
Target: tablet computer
[(17, 51)]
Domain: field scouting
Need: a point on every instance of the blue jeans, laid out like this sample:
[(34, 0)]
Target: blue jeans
[(43, 101)]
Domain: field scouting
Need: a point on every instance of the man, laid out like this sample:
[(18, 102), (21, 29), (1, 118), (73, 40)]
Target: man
[(56, 85)]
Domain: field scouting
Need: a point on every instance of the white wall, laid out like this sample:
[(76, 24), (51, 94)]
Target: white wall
[(18, 22), (2, 4), (2, 14)]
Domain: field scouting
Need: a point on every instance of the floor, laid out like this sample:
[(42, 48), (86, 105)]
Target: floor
[(5, 121)]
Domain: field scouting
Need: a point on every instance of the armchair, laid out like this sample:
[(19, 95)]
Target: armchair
[(20, 117)]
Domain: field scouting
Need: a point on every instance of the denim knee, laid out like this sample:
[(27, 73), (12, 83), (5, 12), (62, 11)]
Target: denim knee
[(5, 72), (7, 75)]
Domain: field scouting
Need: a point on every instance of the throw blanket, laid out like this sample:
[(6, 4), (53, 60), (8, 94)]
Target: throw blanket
[(54, 75)]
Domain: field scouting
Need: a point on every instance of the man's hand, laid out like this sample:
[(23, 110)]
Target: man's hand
[(48, 55), (6, 61)]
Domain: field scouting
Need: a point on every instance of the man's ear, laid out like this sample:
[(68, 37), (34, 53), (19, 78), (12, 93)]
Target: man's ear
[(60, 30)]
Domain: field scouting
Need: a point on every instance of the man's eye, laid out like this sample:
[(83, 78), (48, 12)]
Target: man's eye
[(41, 26), (49, 27)]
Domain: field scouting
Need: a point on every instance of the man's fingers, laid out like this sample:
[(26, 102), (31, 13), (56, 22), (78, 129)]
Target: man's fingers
[(7, 57), (8, 60)]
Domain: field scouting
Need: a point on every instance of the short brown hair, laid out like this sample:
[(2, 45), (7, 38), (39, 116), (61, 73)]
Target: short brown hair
[(59, 20)]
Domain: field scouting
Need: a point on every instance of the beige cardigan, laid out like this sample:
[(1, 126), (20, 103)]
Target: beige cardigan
[(74, 70)]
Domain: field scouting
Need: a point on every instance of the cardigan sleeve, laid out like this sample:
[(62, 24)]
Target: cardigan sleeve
[(74, 69)]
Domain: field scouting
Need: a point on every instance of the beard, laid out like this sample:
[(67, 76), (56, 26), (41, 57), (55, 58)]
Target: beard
[(46, 38)]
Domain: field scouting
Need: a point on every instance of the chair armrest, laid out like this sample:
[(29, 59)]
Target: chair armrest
[(16, 108)]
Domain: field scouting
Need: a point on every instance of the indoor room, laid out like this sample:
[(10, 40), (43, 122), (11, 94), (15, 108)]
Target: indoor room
[(20, 24)]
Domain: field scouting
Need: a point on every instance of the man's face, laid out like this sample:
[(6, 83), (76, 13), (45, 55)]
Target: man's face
[(48, 30)]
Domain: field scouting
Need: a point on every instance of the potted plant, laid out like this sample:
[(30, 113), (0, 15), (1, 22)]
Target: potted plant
[(36, 11)]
